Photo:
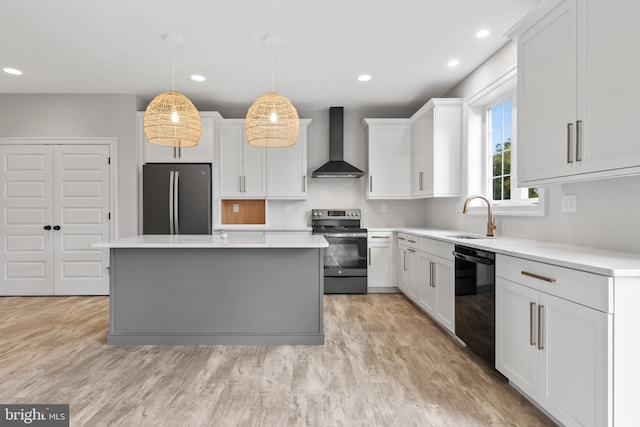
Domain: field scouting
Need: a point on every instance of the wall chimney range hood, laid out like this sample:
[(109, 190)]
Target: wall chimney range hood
[(336, 167)]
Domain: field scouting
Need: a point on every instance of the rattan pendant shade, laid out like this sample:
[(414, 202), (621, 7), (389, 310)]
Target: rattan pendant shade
[(272, 121), (172, 120)]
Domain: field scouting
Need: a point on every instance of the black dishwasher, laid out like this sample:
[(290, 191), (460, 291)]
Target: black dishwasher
[(475, 301)]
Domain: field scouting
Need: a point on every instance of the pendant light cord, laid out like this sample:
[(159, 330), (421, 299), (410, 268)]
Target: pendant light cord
[(173, 67), (272, 67)]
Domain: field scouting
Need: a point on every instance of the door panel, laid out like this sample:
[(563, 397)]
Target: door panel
[(26, 257), (81, 200), (194, 198)]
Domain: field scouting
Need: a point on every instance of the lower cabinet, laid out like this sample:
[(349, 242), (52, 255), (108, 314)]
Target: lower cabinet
[(427, 277), (552, 349), (380, 271)]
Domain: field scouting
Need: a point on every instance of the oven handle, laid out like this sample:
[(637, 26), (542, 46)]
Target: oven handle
[(471, 258), (344, 234)]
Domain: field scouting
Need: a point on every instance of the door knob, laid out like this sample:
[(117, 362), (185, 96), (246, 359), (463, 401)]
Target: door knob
[(56, 227), (47, 227)]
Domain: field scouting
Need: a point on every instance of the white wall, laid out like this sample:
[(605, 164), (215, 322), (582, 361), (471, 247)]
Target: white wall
[(605, 209), (328, 193), (82, 116)]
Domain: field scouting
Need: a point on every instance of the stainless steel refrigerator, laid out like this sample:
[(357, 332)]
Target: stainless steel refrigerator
[(176, 198)]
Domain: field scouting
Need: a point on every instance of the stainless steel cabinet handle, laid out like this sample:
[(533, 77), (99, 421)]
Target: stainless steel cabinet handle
[(540, 346), (569, 126), (421, 180), (532, 310), (578, 140), (370, 183), (171, 202), (176, 203), (175, 152), (380, 237), (404, 261), (369, 256), (537, 276), (304, 185), (412, 241), (401, 238), (410, 250), (432, 275), (240, 178), (179, 152)]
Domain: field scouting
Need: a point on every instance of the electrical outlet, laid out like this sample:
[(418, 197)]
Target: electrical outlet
[(236, 207), (383, 207), (569, 204)]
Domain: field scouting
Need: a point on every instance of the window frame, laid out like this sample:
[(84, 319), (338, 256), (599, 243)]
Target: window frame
[(477, 151)]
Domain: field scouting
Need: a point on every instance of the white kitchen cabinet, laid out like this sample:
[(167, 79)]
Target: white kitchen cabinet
[(380, 265), (572, 125), (287, 168), (555, 350), (426, 276), (201, 153), (437, 281), (242, 166), (388, 158), (436, 136), (408, 266)]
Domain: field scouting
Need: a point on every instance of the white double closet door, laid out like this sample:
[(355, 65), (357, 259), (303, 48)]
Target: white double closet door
[(54, 203)]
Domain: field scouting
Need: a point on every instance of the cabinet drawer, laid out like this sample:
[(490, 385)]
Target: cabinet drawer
[(380, 236), (591, 290), (436, 247), (408, 240)]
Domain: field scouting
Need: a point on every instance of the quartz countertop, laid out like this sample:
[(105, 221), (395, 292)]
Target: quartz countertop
[(262, 240), (593, 260)]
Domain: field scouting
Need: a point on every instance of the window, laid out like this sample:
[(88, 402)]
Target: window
[(491, 164), (499, 155)]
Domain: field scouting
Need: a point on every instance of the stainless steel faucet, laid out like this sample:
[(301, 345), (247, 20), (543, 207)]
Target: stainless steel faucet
[(491, 222)]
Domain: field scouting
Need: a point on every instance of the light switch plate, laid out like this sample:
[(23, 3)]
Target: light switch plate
[(569, 203)]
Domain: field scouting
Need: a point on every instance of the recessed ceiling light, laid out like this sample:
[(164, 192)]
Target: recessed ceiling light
[(198, 78), (453, 63), (13, 71), (364, 78), (482, 34)]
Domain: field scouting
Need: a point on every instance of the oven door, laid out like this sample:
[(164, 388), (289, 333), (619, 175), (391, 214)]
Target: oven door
[(346, 255)]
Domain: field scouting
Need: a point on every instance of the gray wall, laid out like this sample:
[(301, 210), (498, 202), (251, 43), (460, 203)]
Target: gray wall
[(82, 116), (605, 208)]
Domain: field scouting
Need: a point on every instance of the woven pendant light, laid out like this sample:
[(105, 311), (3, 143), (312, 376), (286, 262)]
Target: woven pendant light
[(171, 119), (272, 120)]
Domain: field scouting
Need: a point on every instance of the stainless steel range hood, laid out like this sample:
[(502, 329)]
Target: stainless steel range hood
[(336, 167)]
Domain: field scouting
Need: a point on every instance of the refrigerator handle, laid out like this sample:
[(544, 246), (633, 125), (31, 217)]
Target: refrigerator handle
[(171, 181), (176, 203)]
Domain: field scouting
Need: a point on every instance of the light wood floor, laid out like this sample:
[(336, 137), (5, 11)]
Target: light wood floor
[(384, 364)]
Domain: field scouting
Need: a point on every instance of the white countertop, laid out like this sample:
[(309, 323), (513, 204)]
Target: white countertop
[(240, 240), (597, 261)]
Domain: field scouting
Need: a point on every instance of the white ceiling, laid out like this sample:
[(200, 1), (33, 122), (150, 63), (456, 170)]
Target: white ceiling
[(116, 46)]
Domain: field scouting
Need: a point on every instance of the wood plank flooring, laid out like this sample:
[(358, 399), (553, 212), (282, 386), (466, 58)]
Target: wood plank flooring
[(384, 364)]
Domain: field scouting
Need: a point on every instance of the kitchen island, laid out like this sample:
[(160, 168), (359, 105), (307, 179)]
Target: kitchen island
[(262, 288)]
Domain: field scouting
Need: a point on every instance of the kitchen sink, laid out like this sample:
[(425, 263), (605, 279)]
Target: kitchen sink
[(465, 236)]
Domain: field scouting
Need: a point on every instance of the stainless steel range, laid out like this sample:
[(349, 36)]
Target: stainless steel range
[(345, 260)]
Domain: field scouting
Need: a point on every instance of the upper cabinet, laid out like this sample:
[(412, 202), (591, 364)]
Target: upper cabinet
[(388, 158), (242, 166), (436, 133), (201, 153), (573, 122), (287, 168)]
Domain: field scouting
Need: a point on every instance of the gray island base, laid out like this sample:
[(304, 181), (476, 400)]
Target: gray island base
[(230, 294)]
